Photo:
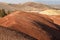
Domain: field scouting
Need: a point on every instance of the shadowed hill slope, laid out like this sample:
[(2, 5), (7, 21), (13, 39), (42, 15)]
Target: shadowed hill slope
[(9, 34), (33, 24)]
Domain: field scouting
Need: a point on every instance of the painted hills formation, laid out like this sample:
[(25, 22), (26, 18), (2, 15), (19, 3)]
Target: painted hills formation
[(29, 21), (38, 26)]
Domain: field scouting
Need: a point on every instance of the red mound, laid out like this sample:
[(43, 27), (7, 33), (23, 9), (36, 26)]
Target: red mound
[(56, 19), (33, 24)]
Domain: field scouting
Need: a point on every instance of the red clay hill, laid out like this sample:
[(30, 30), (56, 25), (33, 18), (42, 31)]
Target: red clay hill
[(33, 24)]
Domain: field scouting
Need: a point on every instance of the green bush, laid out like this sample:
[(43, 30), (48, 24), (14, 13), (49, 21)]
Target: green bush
[(2, 13)]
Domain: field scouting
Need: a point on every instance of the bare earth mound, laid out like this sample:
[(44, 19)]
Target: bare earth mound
[(32, 24)]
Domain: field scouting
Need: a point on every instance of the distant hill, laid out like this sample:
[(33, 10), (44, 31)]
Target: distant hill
[(6, 7), (56, 6), (16, 6), (29, 6)]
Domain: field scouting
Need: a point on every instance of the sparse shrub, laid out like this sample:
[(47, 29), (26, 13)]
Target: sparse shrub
[(2, 13)]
